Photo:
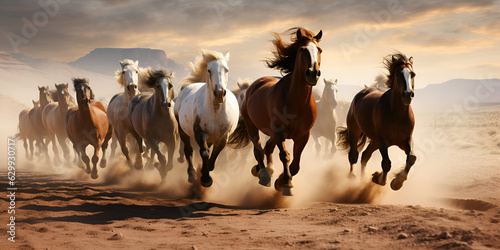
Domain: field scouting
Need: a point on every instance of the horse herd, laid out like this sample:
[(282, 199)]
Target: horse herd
[(148, 112)]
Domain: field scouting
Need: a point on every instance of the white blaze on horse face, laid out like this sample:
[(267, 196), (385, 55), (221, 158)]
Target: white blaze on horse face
[(313, 52), (164, 88), (406, 74)]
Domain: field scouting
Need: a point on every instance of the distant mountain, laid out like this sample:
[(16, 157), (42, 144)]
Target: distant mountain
[(465, 92), (106, 60)]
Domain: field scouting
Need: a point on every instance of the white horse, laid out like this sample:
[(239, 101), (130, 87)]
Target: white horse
[(205, 111), (326, 121), (117, 112)]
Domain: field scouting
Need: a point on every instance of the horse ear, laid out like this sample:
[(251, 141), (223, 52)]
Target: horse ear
[(319, 35), (411, 60), (172, 75), (39, 88), (121, 64), (34, 103), (299, 34), (324, 80), (55, 84), (335, 82), (67, 85), (47, 86), (226, 56), (393, 59), (136, 63)]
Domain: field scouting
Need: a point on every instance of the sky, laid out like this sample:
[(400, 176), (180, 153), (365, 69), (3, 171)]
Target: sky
[(448, 39)]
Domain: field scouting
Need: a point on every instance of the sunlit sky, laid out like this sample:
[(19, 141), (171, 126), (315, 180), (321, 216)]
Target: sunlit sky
[(448, 39)]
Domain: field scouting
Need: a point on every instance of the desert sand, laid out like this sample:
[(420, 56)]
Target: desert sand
[(451, 199)]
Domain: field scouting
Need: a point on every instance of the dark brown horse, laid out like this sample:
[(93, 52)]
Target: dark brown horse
[(385, 118), (88, 124), (282, 108)]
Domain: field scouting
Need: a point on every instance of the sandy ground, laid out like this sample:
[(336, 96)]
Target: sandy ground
[(451, 200)]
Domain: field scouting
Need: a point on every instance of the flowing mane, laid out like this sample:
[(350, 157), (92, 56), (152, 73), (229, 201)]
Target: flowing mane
[(83, 81), (284, 55), (391, 63), (198, 69), (119, 73)]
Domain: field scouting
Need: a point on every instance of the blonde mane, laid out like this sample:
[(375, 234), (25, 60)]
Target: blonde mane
[(198, 69), (119, 73)]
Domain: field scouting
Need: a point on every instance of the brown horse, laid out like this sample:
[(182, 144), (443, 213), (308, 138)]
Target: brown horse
[(41, 133), (386, 118), (282, 108), (88, 124), (26, 132), (53, 119), (152, 118)]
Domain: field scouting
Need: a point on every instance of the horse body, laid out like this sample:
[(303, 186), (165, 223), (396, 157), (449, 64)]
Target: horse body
[(386, 118), (88, 124), (26, 132), (118, 112), (152, 119), (327, 118), (206, 111), (41, 133), (282, 108), (53, 120)]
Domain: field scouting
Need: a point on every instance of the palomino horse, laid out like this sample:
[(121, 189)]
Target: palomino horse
[(88, 124), (152, 118), (41, 134), (282, 108), (53, 119), (386, 118), (118, 115), (206, 111), (26, 132), (327, 119)]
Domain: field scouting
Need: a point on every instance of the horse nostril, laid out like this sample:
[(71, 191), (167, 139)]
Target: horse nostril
[(319, 73), (412, 94), (223, 92)]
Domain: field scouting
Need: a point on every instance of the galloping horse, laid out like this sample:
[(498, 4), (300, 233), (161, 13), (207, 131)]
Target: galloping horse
[(26, 132), (88, 124), (282, 108), (118, 113), (205, 111), (53, 120), (152, 118), (386, 118), (327, 118), (39, 129)]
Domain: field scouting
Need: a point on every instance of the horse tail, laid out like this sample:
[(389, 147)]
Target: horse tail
[(343, 139), (239, 138)]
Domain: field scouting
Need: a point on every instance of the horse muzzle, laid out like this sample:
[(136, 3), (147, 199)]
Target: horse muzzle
[(219, 95), (407, 97), (312, 76)]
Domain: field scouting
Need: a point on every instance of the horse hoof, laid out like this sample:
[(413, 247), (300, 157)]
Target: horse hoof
[(254, 171), (396, 185), (94, 176), (264, 178), (287, 191), (191, 178), (377, 178), (206, 181), (277, 185), (102, 164), (180, 159)]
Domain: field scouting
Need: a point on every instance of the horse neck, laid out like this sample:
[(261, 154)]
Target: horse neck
[(85, 110), (210, 100), (44, 100), (397, 107), (300, 92), (63, 106), (157, 107)]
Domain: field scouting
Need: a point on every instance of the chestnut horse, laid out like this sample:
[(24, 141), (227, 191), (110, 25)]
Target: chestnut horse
[(152, 119), (42, 137), (26, 132), (53, 119), (88, 124), (385, 118), (282, 108)]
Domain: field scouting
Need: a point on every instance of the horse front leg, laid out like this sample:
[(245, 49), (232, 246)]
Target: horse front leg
[(138, 156), (260, 169), (62, 142), (381, 178), (398, 181), (105, 144), (85, 158), (200, 138), (57, 159), (155, 148), (95, 159), (284, 181), (32, 149)]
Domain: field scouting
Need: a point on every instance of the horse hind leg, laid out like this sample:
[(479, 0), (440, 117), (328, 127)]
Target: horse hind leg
[(260, 169), (64, 147), (200, 138), (188, 153), (95, 159), (353, 139), (138, 157), (268, 150), (367, 154), (105, 144), (85, 158), (114, 145), (398, 181), (162, 165), (381, 178), (284, 181), (57, 159), (32, 149)]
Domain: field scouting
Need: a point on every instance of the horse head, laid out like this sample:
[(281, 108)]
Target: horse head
[(309, 56), (62, 93), (44, 95), (83, 91), (166, 87), (217, 75), (330, 93), (404, 79), (129, 76)]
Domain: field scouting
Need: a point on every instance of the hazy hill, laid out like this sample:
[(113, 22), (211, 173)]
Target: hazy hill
[(106, 60)]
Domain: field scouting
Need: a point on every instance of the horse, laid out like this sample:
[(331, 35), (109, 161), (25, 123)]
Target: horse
[(26, 132), (385, 118), (282, 108), (205, 111), (87, 124), (53, 119), (41, 134), (241, 90), (152, 118), (118, 112), (327, 118)]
